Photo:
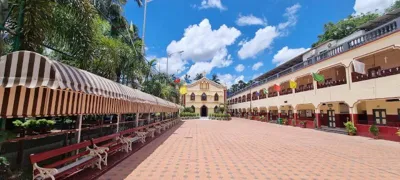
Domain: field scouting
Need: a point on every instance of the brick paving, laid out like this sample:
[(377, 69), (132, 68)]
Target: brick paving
[(244, 149)]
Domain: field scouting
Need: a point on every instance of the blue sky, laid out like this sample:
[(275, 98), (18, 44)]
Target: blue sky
[(237, 40)]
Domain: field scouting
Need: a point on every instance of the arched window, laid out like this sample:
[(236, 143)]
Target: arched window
[(244, 98), (193, 109), (240, 99), (216, 109), (192, 97), (204, 97), (216, 97)]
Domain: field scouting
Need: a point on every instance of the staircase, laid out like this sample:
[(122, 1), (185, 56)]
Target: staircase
[(333, 130)]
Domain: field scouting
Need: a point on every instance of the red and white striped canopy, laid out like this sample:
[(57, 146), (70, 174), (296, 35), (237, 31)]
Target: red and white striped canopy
[(32, 70)]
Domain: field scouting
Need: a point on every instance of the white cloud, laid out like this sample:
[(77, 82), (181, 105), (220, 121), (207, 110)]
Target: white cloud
[(262, 40), (206, 47), (176, 64), (264, 37), (291, 14), (206, 4), (286, 54), (250, 20), (365, 6), (256, 66), (239, 68), (228, 79), (201, 43)]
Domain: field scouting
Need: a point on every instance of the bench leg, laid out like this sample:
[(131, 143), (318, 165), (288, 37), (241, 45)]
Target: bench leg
[(44, 173), (104, 159)]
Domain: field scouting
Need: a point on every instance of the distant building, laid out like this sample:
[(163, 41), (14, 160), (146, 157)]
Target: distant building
[(205, 96)]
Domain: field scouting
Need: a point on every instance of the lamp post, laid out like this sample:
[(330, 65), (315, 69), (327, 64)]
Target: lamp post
[(170, 54)]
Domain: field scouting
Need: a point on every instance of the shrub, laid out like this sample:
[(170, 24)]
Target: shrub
[(18, 123), (351, 129), (374, 130), (398, 132), (30, 124)]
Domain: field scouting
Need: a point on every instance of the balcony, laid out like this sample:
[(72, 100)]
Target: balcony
[(331, 83), (286, 92), (272, 94), (334, 76), (356, 77), (303, 88), (379, 65)]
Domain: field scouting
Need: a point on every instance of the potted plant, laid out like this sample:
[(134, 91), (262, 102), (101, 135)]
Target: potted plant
[(303, 124), (262, 118), (30, 125), (398, 132), (374, 130), (5, 171), (285, 121), (351, 129)]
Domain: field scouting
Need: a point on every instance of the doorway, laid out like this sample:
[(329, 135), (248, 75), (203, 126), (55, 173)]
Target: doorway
[(204, 111), (331, 119)]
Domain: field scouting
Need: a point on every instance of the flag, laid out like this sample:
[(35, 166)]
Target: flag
[(359, 67), (265, 91), (177, 80), (292, 84), (183, 89), (277, 87), (318, 77)]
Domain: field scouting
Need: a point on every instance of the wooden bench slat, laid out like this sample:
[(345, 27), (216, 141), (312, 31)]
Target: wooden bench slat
[(65, 160)]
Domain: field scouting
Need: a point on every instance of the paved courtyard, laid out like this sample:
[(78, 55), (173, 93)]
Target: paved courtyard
[(244, 149)]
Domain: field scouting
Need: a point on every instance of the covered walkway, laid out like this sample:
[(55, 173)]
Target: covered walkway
[(243, 149)]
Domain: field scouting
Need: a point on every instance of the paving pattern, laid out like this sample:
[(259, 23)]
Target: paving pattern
[(244, 149)]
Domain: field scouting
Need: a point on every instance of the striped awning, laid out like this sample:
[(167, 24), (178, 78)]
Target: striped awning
[(31, 70)]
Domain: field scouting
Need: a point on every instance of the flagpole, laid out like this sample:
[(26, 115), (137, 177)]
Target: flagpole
[(144, 26)]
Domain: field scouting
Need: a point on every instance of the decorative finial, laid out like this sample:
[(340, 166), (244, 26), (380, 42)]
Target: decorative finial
[(204, 73)]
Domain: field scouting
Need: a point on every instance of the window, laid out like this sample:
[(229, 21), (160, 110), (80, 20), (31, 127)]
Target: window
[(204, 97), (193, 109), (216, 97), (283, 113), (290, 113), (380, 116), (192, 97)]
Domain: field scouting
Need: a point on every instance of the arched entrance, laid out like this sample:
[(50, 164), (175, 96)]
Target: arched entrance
[(204, 111)]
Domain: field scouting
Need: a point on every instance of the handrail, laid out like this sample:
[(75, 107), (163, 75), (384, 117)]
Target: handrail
[(379, 32)]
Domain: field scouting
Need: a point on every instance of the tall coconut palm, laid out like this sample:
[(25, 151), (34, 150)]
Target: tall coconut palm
[(215, 78)]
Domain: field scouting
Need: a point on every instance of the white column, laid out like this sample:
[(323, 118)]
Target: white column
[(79, 128)]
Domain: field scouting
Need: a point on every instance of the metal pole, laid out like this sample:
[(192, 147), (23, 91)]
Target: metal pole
[(167, 63), (79, 128), (20, 23), (118, 119), (144, 26)]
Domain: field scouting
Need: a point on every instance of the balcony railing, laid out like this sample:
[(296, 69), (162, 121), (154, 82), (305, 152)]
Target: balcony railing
[(356, 77), (273, 94), (383, 30), (330, 84), (308, 87), (286, 92)]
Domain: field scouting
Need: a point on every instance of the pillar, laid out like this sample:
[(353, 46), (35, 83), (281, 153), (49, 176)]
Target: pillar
[(148, 118), (295, 115), (318, 118), (353, 115)]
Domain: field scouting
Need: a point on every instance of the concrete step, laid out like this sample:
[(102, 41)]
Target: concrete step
[(333, 130)]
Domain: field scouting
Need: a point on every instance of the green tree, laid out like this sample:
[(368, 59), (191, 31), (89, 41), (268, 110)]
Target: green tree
[(187, 79), (198, 76), (215, 78), (343, 28)]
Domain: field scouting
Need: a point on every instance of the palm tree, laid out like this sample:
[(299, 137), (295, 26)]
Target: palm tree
[(187, 79), (215, 78), (234, 87), (241, 84), (198, 76)]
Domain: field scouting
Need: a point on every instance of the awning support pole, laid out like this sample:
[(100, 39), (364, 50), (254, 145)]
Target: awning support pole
[(118, 120), (79, 128)]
